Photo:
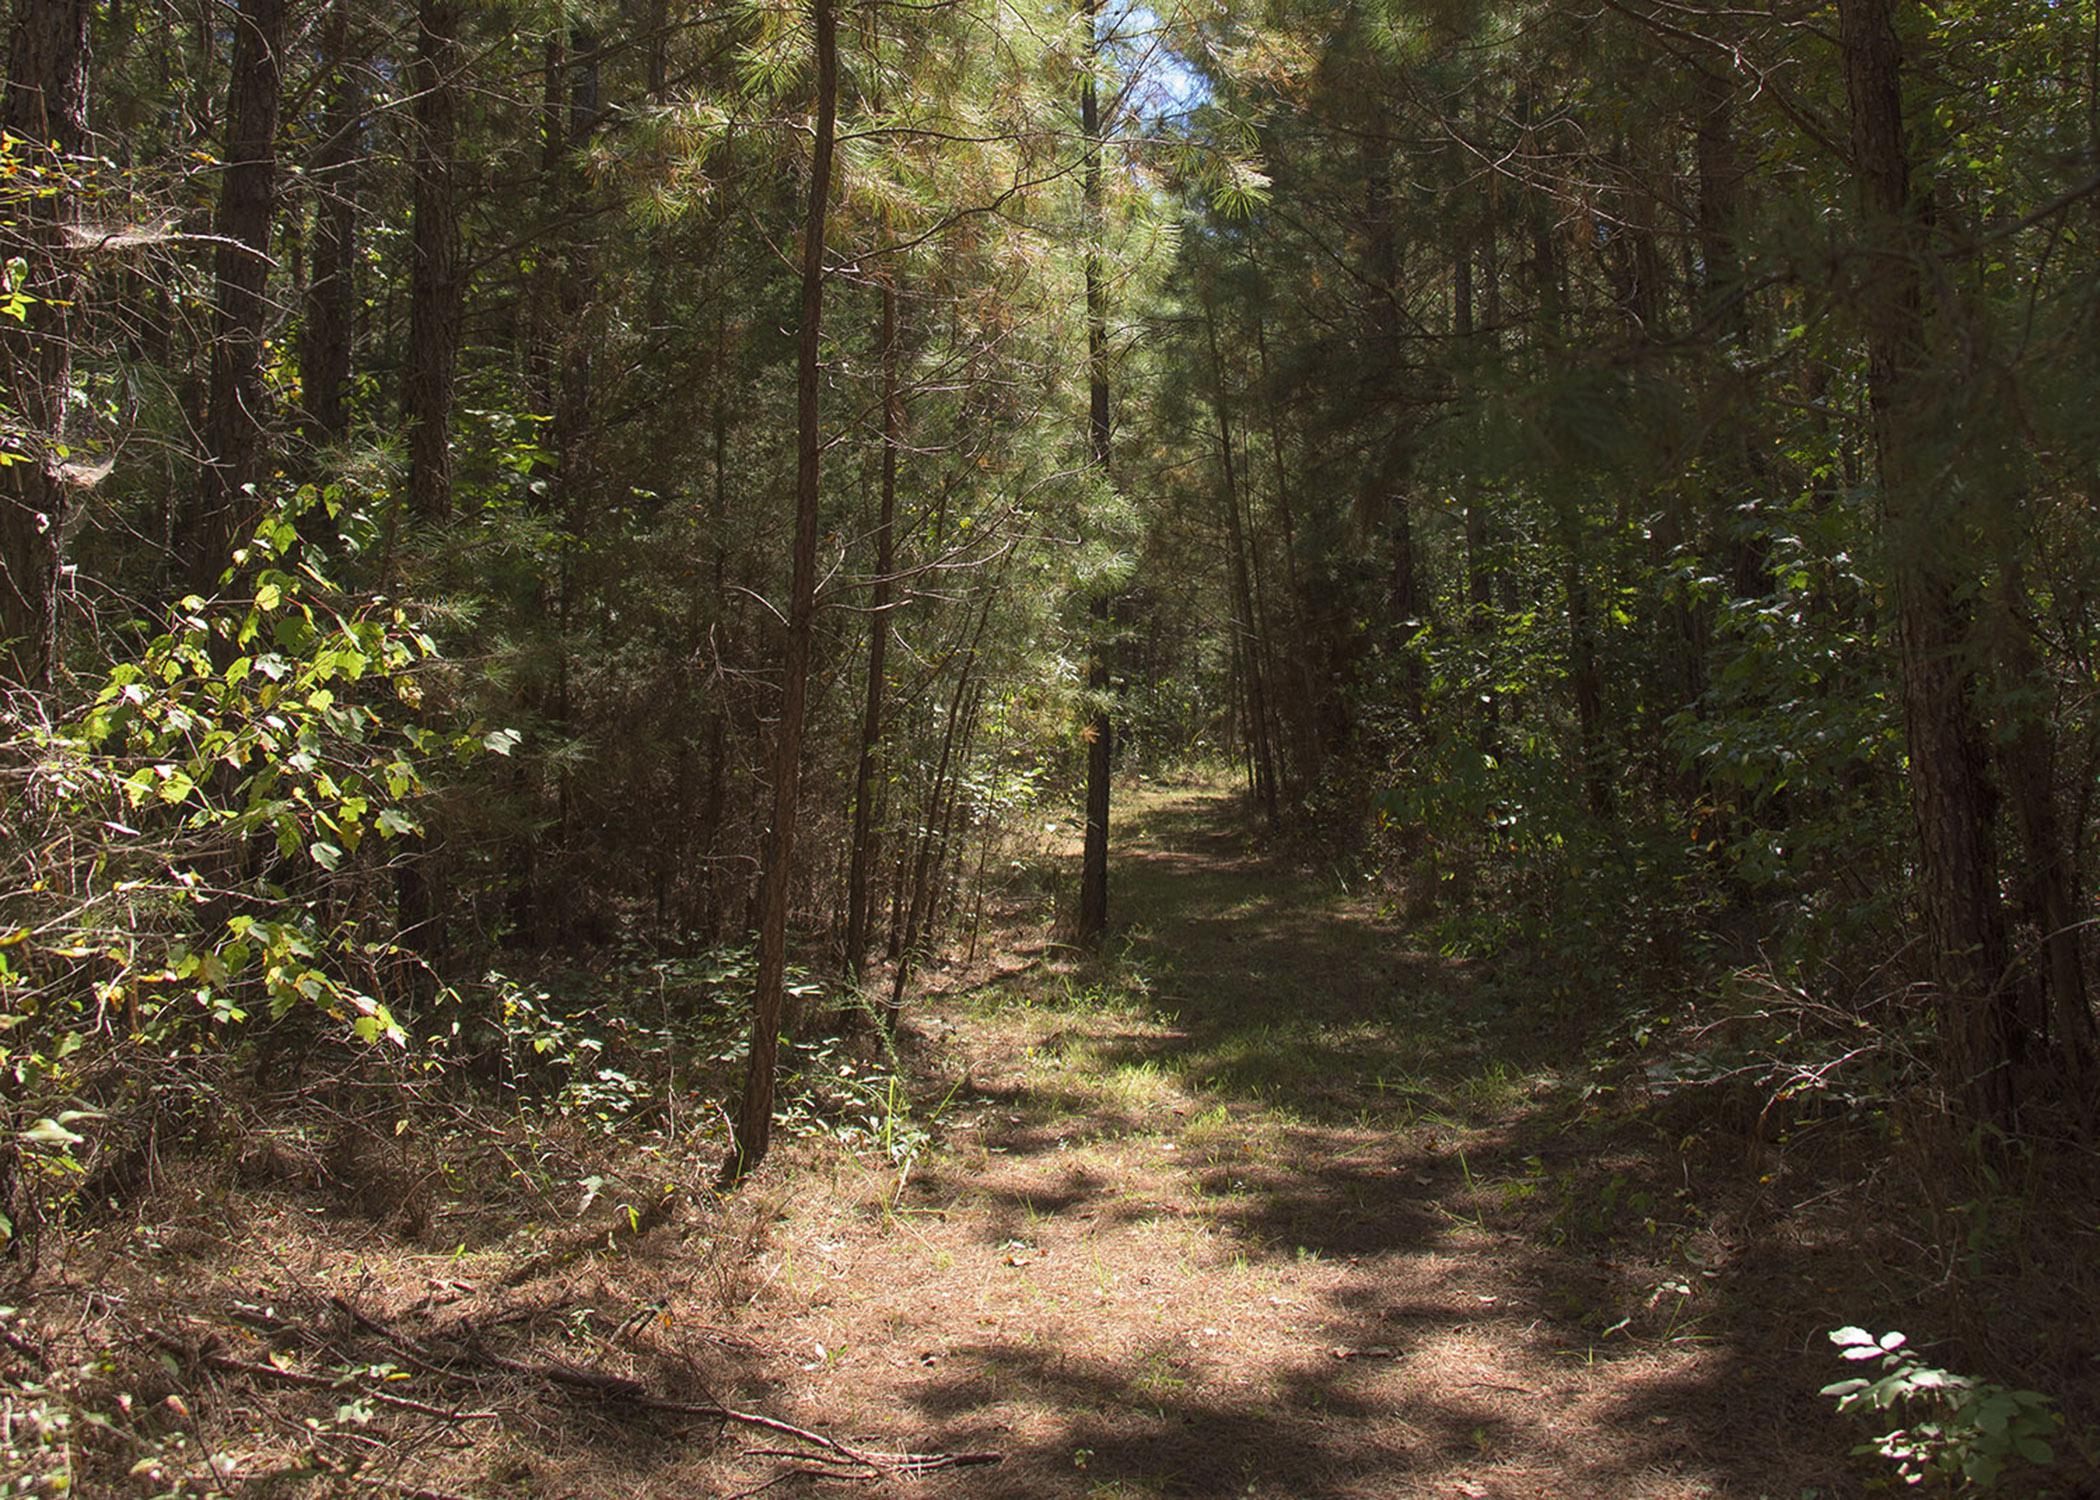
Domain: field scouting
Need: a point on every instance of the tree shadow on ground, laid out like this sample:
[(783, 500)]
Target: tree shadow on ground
[(1520, 1297)]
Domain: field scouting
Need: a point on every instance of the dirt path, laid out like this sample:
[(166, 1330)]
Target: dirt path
[(1269, 1205)]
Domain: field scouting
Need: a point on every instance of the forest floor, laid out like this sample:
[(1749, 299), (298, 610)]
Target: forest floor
[(1264, 1202), (1270, 1204)]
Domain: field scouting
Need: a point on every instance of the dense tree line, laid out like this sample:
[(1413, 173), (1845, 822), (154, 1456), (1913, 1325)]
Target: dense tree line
[(427, 413), (1650, 442), (504, 480)]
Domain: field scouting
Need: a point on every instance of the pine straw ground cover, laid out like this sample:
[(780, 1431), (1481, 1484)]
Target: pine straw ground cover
[(1263, 1204)]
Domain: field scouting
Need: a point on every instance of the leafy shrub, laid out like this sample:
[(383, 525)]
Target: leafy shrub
[(200, 843), (1971, 1431)]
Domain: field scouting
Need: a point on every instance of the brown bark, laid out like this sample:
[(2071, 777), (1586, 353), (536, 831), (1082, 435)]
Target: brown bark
[(715, 802), (754, 1125), (939, 802), (1477, 521), (2029, 758), (1242, 588), (1093, 868), (45, 106), (236, 402), (1301, 726), (1586, 679), (1385, 476), (1722, 172), (572, 434), (861, 860), (327, 343), (1952, 799), (437, 292)]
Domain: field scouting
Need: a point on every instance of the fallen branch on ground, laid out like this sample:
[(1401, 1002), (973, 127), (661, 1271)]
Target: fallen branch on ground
[(323, 1383), (624, 1390)]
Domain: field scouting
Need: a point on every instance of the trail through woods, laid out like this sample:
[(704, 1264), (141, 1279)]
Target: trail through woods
[(1276, 1206), (1262, 1200)]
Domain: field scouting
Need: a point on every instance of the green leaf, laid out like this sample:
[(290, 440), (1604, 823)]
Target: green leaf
[(502, 741), (325, 854), (49, 1132)]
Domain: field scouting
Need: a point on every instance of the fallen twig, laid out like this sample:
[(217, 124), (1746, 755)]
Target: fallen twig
[(627, 1391), (323, 1383)]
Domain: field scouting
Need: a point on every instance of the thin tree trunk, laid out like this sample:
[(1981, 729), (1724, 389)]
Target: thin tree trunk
[(1093, 868), (1587, 680), (715, 802), (944, 876), (1242, 587), (1479, 544), (754, 1125), (2029, 758), (436, 286), (862, 857), (327, 343), (572, 430), (1265, 637), (435, 302), (236, 401), (1385, 479), (1722, 171), (959, 705), (1304, 728), (45, 105)]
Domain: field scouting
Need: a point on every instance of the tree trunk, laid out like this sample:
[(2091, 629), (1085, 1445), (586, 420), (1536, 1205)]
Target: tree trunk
[(716, 799), (1385, 475), (940, 797), (754, 1126), (236, 401), (1587, 680), (1093, 868), (572, 432), (327, 343), (45, 105), (1242, 588), (2029, 758), (1951, 796), (862, 857), (436, 289), (1303, 725), (1722, 171)]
